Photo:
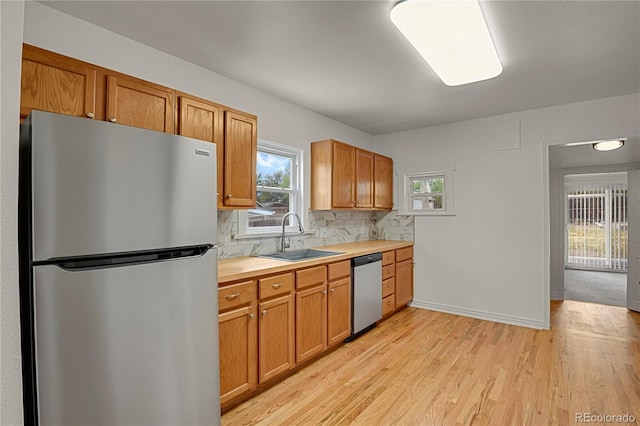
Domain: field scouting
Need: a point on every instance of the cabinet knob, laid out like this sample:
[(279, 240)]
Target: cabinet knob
[(112, 119), (324, 291), (264, 312), (333, 290), (90, 115), (252, 316), (229, 196)]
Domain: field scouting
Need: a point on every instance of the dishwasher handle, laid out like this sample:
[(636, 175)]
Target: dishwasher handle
[(369, 258)]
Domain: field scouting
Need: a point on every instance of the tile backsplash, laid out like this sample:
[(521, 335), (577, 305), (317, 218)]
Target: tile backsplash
[(322, 228)]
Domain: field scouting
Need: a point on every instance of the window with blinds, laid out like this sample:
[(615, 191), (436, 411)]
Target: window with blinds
[(596, 221)]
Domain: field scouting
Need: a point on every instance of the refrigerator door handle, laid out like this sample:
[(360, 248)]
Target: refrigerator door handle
[(133, 258)]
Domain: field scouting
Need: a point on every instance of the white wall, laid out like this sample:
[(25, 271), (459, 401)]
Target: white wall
[(11, 20), (491, 260)]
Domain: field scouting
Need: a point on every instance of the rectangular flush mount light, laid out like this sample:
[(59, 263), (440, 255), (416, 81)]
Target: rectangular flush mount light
[(452, 36)]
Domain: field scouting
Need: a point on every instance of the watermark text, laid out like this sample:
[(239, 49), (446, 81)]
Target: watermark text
[(605, 418)]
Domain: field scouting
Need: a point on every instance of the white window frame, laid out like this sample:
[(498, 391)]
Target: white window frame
[(406, 176), (296, 192)]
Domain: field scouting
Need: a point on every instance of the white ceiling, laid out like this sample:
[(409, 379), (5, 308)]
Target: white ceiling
[(346, 60)]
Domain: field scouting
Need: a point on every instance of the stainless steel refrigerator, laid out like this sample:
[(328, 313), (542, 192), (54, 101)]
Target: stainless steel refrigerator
[(118, 275)]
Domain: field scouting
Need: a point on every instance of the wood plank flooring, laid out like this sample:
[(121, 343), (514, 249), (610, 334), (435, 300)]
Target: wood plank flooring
[(429, 368)]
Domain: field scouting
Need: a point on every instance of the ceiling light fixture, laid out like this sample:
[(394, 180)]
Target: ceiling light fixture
[(452, 36), (608, 145)]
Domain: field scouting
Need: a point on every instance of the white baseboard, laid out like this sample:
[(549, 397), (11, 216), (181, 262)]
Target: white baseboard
[(474, 313)]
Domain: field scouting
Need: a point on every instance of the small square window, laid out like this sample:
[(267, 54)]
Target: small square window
[(426, 192)]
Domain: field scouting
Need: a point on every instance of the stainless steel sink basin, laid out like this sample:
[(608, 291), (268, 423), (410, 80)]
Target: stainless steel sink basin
[(298, 255)]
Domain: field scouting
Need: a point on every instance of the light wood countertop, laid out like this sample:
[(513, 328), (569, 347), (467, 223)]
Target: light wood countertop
[(242, 268)]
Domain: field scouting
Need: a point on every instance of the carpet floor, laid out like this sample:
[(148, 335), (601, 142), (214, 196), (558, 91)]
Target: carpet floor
[(606, 288)]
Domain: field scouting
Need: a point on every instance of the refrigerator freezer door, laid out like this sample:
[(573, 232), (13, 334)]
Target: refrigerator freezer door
[(128, 345), (100, 187)]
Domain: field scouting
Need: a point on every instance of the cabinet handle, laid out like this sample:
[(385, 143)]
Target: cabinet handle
[(251, 316), (232, 296), (112, 119), (90, 115), (264, 312), (276, 286)]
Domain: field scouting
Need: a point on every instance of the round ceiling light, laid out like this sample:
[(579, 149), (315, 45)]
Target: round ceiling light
[(608, 145)]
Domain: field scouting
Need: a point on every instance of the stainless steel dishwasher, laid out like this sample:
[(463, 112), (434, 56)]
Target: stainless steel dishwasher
[(366, 301)]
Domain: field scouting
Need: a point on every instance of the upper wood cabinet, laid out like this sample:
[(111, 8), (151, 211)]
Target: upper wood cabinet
[(56, 83), (236, 138), (344, 177), (139, 103), (382, 182), (239, 165), (201, 119), (343, 174), (364, 179)]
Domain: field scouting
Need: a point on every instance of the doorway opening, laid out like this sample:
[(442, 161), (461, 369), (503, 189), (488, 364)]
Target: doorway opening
[(596, 238)]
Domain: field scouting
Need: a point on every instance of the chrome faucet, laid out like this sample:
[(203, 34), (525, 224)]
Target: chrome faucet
[(284, 245)]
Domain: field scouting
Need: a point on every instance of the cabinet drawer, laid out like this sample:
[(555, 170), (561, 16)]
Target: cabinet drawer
[(388, 272), (311, 276), (388, 305), (388, 287), (404, 254), (339, 269), (388, 257), (237, 294), (278, 284)]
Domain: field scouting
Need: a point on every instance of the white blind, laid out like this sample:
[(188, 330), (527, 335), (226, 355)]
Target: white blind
[(597, 225)]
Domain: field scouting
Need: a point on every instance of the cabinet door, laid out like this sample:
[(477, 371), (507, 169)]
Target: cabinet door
[(238, 352), (311, 322), (382, 182), (339, 311), (140, 104), (276, 334), (203, 120), (240, 150), (404, 282), (343, 176), (364, 179), (55, 83)]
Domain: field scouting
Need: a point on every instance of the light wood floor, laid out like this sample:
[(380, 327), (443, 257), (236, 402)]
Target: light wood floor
[(429, 368)]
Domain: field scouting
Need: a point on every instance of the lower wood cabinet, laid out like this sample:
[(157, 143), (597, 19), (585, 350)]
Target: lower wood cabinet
[(270, 324), (404, 277), (277, 328), (238, 349), (397, 279), (311, 312), (339, 302)]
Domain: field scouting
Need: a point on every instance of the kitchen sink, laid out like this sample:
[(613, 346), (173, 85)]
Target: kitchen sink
[(298, 255)]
